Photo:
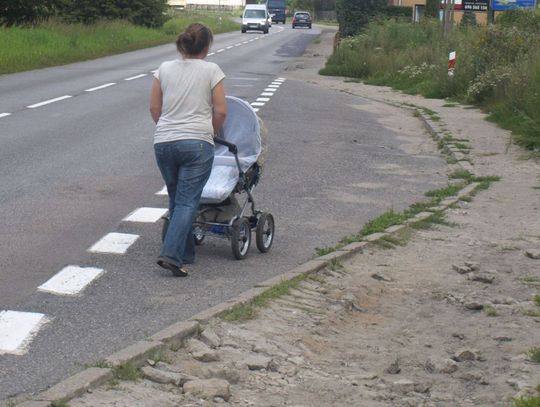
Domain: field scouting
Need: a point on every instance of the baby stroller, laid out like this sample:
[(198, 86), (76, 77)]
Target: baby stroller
[(237, 168)]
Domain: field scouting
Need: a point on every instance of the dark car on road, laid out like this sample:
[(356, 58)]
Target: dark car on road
[(301, 19)]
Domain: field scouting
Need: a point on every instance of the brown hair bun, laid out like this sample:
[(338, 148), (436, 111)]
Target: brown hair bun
[(194, 40)]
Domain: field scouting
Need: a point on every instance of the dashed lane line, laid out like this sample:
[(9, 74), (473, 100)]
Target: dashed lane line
[(100, 87), (47, 102), (146, 215), (114, 243), (17, 330), (135, 77), (4, 115), (71, 280), (162, 191)]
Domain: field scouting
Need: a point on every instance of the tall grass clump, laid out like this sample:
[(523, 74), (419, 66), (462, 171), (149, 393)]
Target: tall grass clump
[(54, 43), (498, 66)]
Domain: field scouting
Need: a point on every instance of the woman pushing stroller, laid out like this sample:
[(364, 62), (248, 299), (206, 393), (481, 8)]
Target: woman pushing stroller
[(188, 105)]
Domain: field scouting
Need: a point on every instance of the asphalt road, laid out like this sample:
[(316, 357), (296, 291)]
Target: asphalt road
[(72, 169)]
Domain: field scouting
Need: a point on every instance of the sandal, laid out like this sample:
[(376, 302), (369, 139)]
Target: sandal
[(177, 271)]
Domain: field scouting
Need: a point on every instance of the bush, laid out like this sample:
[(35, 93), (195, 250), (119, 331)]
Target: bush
[(498, 67), (354, 15)]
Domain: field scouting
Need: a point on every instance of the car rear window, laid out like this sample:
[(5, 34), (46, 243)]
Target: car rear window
[(302, 15)]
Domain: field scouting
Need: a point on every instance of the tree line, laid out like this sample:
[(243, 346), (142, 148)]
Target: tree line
[(149, 13)]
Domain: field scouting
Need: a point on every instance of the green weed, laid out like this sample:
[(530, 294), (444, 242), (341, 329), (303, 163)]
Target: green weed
[(526, 402), (126, 371), (536, 299), (534, 354)]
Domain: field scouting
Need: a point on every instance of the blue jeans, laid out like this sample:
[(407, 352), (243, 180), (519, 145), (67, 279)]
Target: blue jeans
[(185, 166)]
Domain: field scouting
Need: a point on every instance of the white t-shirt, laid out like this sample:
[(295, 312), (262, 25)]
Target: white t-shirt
[(186, 113)]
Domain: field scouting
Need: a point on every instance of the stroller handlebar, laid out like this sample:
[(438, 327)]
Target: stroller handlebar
[(232, 147)]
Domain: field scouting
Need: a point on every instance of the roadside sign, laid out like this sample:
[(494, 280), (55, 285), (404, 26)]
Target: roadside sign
[(475, 5), (502, 5)]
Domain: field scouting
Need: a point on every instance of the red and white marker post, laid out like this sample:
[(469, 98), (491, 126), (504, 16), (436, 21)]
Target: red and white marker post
[(451, 63)]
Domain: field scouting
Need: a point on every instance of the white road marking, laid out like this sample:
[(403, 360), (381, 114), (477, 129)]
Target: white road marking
[(257, 104), (251, 40), (220, 50), (281, 79), (267, 94), (245, 42), (277, 83), (237, 45), (4, 115), (71, 280), (273, 86), (255, 109), (136, 77), (100, 87), (154, 71), (229, 47), (46, 102), (263, 99), (17, 330), (270, 89), (146, 215), (162, 191), (117, 243), (210, 54)]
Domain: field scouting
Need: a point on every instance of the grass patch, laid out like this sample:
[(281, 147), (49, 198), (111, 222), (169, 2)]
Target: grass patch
[(126, 371), (335, 265), (534, 354), (526, 402), (531, 313), (54, 43), (59, 404), (490, 311), (381, 222), (443, 193), (438, 218), (532, 281), (536, 299), (248, 311)]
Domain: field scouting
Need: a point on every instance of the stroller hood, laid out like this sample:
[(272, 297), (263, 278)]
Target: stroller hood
[(241, 128)]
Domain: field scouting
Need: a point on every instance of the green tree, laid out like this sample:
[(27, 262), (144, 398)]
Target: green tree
[(354, 15), (21, 12)]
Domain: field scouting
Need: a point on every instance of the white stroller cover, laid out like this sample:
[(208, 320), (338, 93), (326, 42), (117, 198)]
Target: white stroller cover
[(241, 128)]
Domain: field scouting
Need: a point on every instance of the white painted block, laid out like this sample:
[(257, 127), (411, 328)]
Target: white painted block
[(270, 89), (17, 330), (257, 104), (146, 215), (267, 94), (162, 191), (71, 280), (263, 99), (255, 109), (116, 243), (273, 86), (5, 115), (276, 83)]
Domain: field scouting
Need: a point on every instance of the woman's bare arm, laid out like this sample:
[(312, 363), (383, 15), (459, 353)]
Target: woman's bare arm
[(156, 100), (220, 106)]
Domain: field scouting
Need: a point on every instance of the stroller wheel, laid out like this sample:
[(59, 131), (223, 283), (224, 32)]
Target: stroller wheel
[(198, 236), (240, 238), (264, 233)]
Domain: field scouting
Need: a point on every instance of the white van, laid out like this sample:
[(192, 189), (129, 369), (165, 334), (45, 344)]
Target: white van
[(256, 17)]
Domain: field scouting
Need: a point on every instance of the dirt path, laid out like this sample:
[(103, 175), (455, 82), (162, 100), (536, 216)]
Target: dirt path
[(446, 319)]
